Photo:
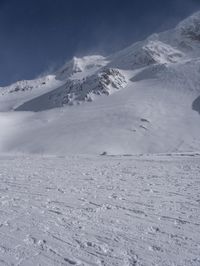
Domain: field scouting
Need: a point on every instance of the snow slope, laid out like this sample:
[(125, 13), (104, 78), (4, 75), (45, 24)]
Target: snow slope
[(106, 211), (144, 98)]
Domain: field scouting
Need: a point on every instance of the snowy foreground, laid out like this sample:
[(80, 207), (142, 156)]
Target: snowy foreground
[(122, 210)]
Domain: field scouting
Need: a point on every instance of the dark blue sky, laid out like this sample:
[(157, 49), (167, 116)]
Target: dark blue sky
[(39, 35)]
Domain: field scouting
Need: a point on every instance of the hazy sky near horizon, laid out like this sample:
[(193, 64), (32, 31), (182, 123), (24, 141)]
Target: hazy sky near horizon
[(37, 36)]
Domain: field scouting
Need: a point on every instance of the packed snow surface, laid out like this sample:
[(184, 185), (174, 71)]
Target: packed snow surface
[(121, 210)]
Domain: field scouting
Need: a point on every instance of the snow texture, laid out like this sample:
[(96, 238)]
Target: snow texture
[(126, 210)]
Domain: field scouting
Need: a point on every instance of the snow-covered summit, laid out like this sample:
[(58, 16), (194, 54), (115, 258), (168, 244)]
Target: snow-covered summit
[(77, 66), (146, 53)]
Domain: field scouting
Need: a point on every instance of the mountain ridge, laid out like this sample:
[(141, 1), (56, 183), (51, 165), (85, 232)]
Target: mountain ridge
[(144, 98)]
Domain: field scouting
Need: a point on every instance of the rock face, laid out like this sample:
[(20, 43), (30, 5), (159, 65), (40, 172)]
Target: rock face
[(196, 105), (190, 27), (105, 82), (27, 85)]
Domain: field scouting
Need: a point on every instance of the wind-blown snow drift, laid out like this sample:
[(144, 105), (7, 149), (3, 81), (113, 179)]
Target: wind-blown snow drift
[(144, 98)]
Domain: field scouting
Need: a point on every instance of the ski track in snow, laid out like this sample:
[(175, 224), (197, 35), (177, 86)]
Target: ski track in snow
[(140, 210)]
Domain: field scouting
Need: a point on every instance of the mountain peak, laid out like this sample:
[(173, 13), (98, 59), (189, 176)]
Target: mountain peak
[(78, 65), (190, 27)]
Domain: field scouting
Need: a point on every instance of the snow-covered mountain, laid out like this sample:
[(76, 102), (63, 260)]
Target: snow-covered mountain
[(145, 98)]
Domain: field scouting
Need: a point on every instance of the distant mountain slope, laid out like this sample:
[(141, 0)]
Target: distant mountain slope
[(144, 98)]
